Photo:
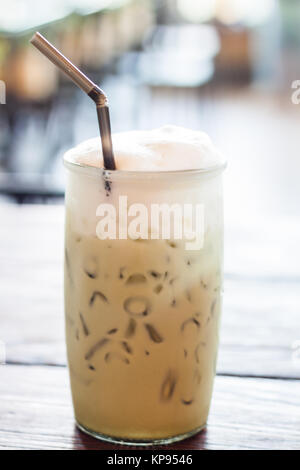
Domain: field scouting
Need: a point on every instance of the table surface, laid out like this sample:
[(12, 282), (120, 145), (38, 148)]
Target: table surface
[(256, 400)]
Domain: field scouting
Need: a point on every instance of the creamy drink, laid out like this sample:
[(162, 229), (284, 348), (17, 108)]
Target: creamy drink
[(142, 314)]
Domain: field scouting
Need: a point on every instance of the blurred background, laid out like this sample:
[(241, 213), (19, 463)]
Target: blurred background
[(224, 66)]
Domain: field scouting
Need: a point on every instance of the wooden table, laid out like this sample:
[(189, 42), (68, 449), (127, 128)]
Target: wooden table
[(256, 402)]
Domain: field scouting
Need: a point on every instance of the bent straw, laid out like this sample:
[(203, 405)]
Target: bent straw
[(89, 87)]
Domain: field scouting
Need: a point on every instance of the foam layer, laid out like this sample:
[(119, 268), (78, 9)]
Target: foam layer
[(165, 149)]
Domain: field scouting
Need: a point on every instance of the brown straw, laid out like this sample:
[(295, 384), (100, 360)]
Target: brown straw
[(89, 87)]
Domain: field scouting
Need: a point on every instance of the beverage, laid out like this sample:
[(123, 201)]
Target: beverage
[(142, 316)]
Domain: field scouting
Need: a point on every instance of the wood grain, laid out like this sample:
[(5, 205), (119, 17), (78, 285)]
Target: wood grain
[(36, 413), (260, 316)]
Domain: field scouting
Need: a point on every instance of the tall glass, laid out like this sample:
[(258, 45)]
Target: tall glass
[(142, 316)]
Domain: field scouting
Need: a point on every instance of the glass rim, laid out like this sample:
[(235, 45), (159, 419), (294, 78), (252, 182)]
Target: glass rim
[(113, 175)]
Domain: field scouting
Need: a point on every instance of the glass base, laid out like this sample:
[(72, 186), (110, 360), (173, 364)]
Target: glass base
[(141, 442)]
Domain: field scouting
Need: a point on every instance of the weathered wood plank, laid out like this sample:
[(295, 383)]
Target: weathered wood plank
[(36, 413), (260, 320)]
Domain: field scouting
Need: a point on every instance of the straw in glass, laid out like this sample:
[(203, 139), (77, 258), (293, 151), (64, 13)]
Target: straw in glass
[(89, 87)]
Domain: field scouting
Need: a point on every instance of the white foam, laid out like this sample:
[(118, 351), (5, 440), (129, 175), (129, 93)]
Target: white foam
[(165, 149)]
